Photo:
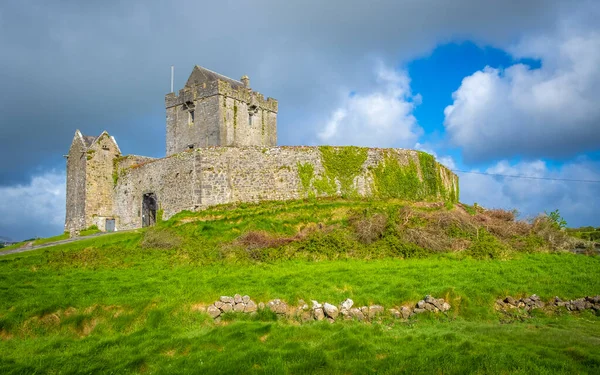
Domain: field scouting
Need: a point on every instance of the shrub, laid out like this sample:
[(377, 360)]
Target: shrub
[(160, 238), (556, 219), (261, 240), (503, 215), (369, 229), (486, 246)]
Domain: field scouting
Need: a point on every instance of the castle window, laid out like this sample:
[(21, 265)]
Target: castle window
[(191, 117), (250, 119)]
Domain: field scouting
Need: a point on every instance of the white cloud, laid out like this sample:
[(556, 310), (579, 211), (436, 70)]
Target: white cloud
[(552, 111), (382, 117), (33, 209), (577, 201)]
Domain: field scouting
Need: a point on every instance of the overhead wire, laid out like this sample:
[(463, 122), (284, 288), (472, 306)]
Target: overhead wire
[(526, 177)]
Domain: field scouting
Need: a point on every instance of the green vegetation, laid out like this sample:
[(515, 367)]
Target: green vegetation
[(235, 111), (43, 241), (306, 172), (90, 154), (341, 164), (585, 233), (116, 173), (556, 219), (93, 229), (127, 302), (392, 180)]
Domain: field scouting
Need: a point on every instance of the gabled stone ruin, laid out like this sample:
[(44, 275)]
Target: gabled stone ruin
[(222, 148)]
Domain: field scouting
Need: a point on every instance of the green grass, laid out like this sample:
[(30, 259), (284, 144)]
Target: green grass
[(109, 305), (43, 241)]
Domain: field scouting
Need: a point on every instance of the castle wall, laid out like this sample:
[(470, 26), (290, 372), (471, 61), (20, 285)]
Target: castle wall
[(216, 175), (171, 179), (75, 202), (99, 181), (247, 119), (203, 131)]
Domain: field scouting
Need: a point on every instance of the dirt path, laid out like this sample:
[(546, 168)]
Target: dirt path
[(74, 239)]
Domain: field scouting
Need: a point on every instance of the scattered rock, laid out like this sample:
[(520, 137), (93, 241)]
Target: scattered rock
[(246, 299), (227, 299), (330, 310), (365, 310), (239, 307), (277, 306), (419, 311), (218, 304), (347, 304), (357, 314), (375, 310), (250, 306), (225, 307), (445, 306), (405, 311), (213, 311), (316, 305), (261, 305), (237, 298), (319, 314), (395, 313)]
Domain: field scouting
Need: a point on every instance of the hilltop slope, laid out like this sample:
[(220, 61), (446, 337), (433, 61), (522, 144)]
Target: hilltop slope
[(129, 302)]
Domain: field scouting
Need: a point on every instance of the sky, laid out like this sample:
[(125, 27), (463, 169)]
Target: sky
[(509, 87)]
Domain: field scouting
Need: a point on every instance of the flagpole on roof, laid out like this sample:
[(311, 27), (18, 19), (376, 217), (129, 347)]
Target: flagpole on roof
[(172, 74)]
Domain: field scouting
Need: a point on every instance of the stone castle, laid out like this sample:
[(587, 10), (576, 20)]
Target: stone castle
[(222, 148)]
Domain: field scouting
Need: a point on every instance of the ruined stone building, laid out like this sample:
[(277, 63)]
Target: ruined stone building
[(222, 147)]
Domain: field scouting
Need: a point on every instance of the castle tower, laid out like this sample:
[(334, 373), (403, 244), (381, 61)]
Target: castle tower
[(214, 110), (90, 168)]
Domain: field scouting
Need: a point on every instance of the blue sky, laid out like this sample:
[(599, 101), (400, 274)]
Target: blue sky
[(503, 88)]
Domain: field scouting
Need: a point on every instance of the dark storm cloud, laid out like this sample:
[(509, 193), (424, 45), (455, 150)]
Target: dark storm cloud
[(105, 65)]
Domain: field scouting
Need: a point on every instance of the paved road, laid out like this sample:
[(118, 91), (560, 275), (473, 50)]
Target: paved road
[(25, 248)]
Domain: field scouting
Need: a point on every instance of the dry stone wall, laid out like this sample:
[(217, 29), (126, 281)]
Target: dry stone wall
[(204, 177), (324, 311)]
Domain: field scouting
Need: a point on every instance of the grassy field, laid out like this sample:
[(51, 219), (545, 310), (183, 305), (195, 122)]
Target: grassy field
[(125, 303)]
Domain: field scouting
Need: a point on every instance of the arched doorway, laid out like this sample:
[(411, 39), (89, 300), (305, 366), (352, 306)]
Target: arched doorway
[(149, 209)]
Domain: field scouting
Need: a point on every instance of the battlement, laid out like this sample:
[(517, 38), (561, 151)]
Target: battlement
[(189, 94), (214, 110)]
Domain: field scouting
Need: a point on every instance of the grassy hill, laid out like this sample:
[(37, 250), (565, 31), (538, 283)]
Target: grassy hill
[(128, 302)]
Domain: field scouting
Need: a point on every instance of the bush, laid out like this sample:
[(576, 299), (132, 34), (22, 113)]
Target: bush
[(369, 229), (486, 246), (160, 238), (556, 219)]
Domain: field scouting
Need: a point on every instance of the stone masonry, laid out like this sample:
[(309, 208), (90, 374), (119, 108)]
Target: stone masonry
[(221, 148)]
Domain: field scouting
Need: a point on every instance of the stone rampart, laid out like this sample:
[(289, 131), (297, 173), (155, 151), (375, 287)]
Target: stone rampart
[(204, 177)]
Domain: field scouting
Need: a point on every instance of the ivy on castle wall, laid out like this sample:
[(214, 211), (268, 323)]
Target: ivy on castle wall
[(421, 178), (306, 172), (341, 164), (393, 180)]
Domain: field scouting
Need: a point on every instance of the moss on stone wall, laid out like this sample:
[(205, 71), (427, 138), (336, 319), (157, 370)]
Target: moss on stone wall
[(432, 180), (306, 172), (116, 173), (235, 110), (393, 180), (90, 154), (341, 165)]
